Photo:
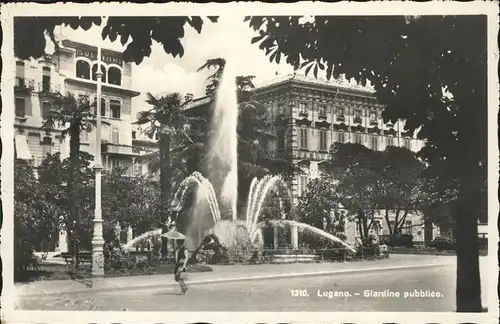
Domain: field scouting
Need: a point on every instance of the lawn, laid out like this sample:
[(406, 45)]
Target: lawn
[(62, 272)]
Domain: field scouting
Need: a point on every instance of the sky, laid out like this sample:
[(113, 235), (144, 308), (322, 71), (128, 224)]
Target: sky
[(161, 73)]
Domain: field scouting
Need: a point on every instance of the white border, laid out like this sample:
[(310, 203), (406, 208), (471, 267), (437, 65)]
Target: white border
[(379, 8)]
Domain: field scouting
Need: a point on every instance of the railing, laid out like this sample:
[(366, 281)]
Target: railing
[(47, 87), (301, 255), (357, 120), (23, 83), (340, 118)]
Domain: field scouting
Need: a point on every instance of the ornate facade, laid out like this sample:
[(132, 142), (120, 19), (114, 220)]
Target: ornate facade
[(73, 69)]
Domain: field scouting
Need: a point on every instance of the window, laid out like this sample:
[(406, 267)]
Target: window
[(302, 108), (281, 109), (340, 113), (114, 76), (303, 181), (322, 110), (115, 136), (20, 74), (407, 143), (157, 136), (46, 110), (83, 69), (280, 137), (408, 227), (115, 107), (358, 138), (341, 137), (323, 140), (392, 225), (373, 117), (390, 141), (303, 138), (357, 116), (20, 107), (374, 143), (46, 79), (94, 72), (134, 134)]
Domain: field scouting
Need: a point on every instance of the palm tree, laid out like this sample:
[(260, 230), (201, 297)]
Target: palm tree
[(166, 118), (71, 115)]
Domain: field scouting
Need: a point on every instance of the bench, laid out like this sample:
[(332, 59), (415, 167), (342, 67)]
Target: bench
[(83, 257)]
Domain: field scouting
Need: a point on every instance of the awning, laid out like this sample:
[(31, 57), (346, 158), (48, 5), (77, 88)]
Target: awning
[(22, 149)]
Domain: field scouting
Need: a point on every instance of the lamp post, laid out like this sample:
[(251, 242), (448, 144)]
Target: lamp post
[(97, 238)]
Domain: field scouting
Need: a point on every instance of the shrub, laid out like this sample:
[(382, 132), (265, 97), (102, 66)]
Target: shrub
[(24, 245), (442, 243), (395, 240)]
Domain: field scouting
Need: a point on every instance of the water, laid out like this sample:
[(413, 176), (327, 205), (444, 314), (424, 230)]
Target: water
[(204, 190), (224, 142), (223, 146), (314, 230), (142, 237)]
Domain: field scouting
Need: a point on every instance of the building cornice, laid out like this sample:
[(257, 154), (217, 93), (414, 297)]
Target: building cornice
[(106, 87)]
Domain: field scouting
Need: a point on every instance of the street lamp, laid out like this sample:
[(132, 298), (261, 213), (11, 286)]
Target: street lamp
[(97, 238)]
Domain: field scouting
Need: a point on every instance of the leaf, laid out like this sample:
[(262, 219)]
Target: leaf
[(257, 38), (316, 70)]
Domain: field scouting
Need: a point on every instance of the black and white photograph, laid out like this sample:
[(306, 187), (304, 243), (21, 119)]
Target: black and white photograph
[(235, 160)]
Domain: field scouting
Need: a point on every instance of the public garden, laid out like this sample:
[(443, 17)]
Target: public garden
[(229, 196)]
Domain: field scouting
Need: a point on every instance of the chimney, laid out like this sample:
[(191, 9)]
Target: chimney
[(46, 146), (188, 97)]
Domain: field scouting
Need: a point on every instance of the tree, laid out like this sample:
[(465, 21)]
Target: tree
[(355, 170), (166, 117), (319, 206), (402, 186), (410, 60), (71, 115), (137, 32), (141, 210)]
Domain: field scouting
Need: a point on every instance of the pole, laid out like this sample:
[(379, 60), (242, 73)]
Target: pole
[(97, 238)]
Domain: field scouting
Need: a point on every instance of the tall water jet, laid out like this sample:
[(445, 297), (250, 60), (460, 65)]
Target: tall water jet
[(223, 143)]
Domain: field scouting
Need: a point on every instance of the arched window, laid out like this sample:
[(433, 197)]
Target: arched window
[(114, 75), (115, 136), (94, 72), (115, 108), (83, 69)]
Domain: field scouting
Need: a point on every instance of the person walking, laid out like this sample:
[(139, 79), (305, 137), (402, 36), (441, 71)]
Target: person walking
[(180, 269)]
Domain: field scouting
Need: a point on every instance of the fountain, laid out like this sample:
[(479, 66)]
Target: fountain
[(223, 170), (142, 237)]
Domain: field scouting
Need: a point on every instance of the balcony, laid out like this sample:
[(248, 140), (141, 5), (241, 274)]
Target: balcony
[(48, 88), (322, 115), (341, 118), (24, 85), (373, 123), (357, 120), (120, 149), (303, 113)]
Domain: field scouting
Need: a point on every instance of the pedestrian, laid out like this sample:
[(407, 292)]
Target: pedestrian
[(180, 269)]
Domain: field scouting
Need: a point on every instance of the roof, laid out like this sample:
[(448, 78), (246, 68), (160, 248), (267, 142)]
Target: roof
[(334, 83)]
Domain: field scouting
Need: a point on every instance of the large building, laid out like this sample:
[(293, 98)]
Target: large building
[(73, 69), (308, 115)]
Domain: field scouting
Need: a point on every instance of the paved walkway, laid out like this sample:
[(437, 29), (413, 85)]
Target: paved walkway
[(229, 273)]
